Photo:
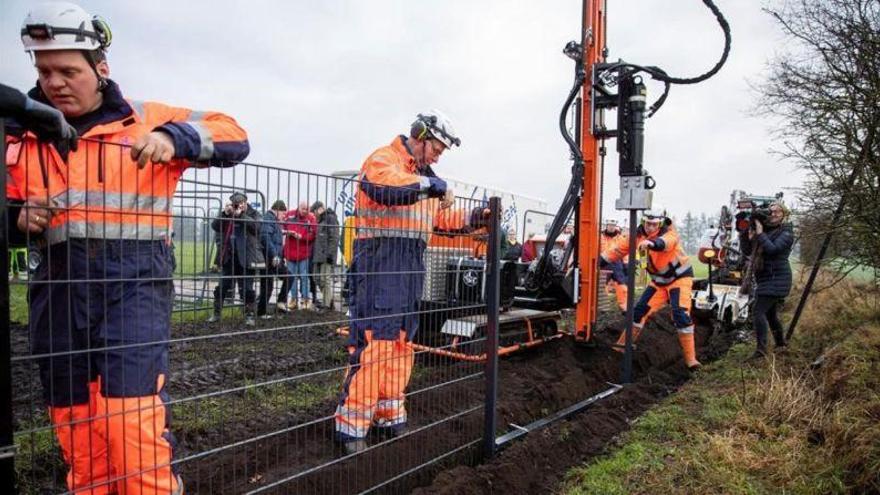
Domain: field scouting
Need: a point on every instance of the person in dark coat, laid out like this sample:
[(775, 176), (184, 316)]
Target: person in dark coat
[(240, 254), (771, 242), (324, 252), (272, 241), (511, 249)]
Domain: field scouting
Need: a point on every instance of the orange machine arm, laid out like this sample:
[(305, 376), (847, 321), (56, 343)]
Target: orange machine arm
[(588, 212)]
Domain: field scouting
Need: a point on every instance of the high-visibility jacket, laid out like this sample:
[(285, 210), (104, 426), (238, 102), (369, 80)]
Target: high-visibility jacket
[(666, 260), (100, 193), (395, 199)]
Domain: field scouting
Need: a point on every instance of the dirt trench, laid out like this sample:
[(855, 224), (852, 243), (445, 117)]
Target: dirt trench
[(563, 375), (445, 410)]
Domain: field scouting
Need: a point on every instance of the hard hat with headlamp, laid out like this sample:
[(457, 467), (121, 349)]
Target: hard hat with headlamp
[(63, 26), (434, 124), (66, 26)]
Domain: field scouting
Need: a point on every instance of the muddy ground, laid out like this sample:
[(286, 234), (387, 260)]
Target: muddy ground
[(278, 437)]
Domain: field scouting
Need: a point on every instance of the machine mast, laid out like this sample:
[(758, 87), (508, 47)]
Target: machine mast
[(593, 42)]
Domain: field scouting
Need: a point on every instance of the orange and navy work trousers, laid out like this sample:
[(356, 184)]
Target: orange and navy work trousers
[(100, 324), (374, 388), (677, 295)]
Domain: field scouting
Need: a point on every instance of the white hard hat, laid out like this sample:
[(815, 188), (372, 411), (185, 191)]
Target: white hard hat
[(657, 212), (436, 125), (63, 26)]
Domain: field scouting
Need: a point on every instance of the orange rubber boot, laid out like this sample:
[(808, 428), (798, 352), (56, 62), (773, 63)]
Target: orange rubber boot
[(620, 346), (688, 350)]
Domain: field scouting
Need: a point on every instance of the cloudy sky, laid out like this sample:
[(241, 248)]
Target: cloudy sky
[(318, 85)]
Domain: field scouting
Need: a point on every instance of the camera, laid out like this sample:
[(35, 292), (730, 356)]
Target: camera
[(753, 211)]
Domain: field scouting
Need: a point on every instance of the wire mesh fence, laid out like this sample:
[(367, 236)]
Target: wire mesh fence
[(240, 329)]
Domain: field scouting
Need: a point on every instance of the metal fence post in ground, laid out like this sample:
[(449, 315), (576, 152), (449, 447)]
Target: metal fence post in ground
[(7, 443), (626, 374), (493, 301)]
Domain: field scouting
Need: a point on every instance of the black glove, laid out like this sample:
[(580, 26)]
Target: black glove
[(49, 125), (46, 122)]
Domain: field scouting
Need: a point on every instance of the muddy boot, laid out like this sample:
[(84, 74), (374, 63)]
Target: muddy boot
[(179, 490), (218, 309), (779, 339), (688, 350), (620, 346), (249, 315), (388, 432), (758, 355), (354, 446)]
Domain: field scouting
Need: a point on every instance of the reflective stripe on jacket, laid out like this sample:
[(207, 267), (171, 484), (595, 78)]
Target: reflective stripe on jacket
[(666, 260), (100, 192), (395, 199)]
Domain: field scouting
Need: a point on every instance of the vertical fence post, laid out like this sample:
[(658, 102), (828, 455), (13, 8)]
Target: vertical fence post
[(7, 444), (493, 301), (626, 374)]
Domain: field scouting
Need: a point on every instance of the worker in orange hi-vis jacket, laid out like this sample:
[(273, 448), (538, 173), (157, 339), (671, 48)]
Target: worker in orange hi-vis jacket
[(671, 278), (400, 203), (616, 282), (100, 301)]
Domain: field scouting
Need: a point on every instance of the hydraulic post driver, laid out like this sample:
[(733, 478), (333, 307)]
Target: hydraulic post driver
[(580, 279)]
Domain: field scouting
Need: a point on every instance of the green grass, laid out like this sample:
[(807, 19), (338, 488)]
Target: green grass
[(18, 307), (752, 429), (190, 258)]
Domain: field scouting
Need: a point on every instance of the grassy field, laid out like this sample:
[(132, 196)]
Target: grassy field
[(779, 426)]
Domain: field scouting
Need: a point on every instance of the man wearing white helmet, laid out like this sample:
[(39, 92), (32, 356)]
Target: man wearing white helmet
[(671, 278), (103, 212), (400, 202)]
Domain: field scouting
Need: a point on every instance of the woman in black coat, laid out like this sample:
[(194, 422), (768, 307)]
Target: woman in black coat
[(772, 275)]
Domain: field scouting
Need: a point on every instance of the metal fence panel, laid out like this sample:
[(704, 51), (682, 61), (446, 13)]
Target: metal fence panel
[(117, 371)]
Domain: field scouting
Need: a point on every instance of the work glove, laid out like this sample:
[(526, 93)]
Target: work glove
[(49, 125), (437, 188)]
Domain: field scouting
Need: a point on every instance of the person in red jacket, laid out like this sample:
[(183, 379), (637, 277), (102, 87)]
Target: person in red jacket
[(300, 229), (100, 301)]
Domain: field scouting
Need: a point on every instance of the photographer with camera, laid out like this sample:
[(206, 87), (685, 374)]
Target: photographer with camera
[(769, 239), (241, 254)]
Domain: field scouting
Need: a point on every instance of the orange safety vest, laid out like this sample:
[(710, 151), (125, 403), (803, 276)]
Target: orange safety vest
[(100, 193), (665, 265), (392, 199)]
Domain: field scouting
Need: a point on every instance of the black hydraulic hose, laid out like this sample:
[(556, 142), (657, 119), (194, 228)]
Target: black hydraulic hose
[(661, 75), (540, 277)]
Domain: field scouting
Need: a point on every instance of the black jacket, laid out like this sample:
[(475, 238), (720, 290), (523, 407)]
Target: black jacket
[(327, 240), (512, 252), (240, 239), (772, 270)]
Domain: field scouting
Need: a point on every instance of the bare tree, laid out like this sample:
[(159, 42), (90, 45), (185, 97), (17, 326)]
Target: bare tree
[(825, 89)]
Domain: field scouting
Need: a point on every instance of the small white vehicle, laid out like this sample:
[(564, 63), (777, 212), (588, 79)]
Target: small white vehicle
[(721, 294)]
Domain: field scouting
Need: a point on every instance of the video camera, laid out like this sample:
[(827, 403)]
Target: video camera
[(753, 208)]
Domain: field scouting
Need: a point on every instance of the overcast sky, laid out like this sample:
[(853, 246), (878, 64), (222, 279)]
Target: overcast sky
[(319, 85)]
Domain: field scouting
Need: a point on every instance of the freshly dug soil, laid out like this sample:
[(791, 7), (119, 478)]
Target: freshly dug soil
[(563, 375), (295, 447)]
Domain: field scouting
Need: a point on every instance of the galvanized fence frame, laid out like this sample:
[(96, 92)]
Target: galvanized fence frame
[(214, 407)]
